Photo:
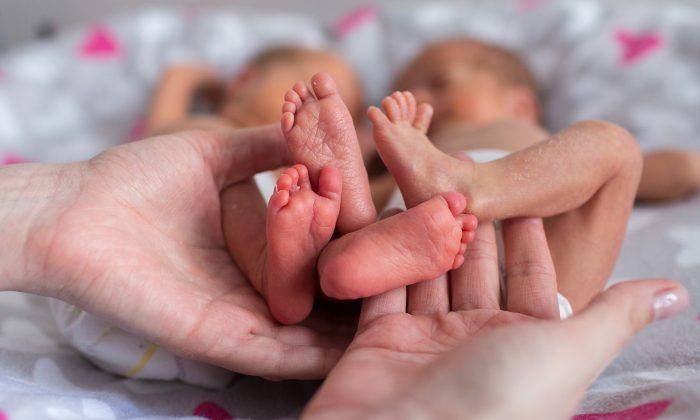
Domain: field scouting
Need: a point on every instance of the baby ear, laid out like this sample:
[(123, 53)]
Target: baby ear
[(523, 104)]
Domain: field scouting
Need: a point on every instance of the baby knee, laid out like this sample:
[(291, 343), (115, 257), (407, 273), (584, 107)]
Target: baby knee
[(625, 146)]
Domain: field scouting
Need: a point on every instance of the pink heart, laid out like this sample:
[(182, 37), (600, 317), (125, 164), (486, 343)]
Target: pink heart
[(527, 5), (353, 20), (10, 159), (100, 43), (137, 130), (635, 47), (3, 416), (211, 410), (648, 411)]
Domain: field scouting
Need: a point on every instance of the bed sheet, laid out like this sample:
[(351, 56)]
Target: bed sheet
[(635, 63)]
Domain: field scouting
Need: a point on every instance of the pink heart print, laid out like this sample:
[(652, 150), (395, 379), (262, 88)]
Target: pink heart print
[(527, 5), (637, 46), (211, 411), (11, 159), (649, 411), (100, 43), (138, 129), (3, 416), (355, 19)]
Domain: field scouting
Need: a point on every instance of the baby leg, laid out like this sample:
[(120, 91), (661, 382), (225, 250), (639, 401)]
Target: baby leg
[(281, 264), (417, 245), (320, 132), (669, 175), (586, 176), (243, 212), (300, 223)]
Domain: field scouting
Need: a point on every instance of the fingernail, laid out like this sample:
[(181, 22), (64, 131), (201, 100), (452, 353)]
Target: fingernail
[(670, 303)]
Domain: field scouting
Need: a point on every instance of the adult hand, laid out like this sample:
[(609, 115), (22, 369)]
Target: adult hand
[(458, 356), (134, 236)]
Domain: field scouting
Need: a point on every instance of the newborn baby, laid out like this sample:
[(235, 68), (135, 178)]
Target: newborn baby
[(474, 85), (582, 180)]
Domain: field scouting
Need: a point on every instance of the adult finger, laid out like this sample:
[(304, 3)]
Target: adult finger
[(274, 359), (589, 340), (531, 281), (391, 302), (429, 297), (235, 155), (503, 361), (475, 285), (621, 311)]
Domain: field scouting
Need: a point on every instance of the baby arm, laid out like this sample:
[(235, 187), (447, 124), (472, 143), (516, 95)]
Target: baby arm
[(583, 180), (172, 101), (669, 175)]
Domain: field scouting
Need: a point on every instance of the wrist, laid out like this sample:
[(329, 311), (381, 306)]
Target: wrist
[(31, 197)]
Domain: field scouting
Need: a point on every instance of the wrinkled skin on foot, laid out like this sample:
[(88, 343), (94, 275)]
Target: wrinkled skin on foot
[(320, 132)]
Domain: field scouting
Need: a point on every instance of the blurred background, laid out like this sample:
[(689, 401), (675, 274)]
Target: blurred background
[(24, 20), (76, 76)]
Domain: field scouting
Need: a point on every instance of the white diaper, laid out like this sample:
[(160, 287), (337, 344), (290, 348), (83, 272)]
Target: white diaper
[(125, 354), (481, 156)]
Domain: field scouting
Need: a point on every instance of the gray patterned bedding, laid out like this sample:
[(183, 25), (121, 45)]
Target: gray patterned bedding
[(635, 63)]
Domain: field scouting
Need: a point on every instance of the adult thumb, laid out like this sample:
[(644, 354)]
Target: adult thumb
[(601, 330), (238, 154)]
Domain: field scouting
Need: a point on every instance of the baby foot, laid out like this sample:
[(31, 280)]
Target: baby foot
[(420, 169), (417, 245), (320, 132), (300, 223)]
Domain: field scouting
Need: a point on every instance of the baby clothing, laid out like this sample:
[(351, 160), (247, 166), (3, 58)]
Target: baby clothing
[(481, 156), (125, 354)]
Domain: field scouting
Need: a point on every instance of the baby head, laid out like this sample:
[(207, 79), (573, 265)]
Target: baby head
[(472, 82), (256, 95)]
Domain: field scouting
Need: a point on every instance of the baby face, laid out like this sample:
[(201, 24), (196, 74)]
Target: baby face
[(262, 94), (459, 91)]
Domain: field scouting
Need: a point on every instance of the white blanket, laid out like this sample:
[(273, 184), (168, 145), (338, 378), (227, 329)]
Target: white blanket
[(635, 63)]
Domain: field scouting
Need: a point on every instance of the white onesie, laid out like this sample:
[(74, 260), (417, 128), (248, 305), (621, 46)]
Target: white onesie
[(480, 156)]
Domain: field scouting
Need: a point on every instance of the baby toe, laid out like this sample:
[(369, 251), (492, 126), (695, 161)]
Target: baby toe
[(458, 261), (391, 108), (411, 103), (424, 113), (400, 99), (303, 174), (284, 182), (293, 97), (303, 92)]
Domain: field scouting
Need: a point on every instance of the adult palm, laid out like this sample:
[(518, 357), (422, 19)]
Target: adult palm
[(403, 331), (134, 235), (439, 352)]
